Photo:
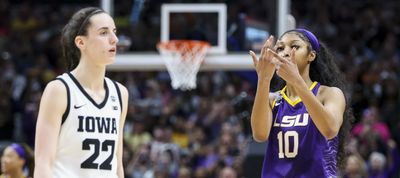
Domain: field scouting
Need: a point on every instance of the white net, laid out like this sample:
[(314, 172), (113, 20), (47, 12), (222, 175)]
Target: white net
[(183, 59)]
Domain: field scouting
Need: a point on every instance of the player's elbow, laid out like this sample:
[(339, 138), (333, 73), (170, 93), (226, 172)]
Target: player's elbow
[(330, 130), (42, 170), (260, 137), (330, 133), (44, 161)]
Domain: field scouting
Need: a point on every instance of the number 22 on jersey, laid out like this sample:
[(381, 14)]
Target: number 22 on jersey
[(89, 163)]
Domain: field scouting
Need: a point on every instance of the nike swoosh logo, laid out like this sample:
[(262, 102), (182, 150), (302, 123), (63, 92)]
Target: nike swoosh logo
[(77, 107)]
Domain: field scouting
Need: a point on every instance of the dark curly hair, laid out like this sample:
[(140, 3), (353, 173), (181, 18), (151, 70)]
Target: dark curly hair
[(325, 70)]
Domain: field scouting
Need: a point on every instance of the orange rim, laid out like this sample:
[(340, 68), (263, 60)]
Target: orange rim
[(178, 45)]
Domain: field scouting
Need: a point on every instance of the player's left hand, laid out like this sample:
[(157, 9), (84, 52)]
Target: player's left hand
[(287, 68)]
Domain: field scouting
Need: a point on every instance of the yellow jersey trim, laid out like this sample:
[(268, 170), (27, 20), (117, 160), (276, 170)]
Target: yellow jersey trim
[(298, 100), (273, 103)]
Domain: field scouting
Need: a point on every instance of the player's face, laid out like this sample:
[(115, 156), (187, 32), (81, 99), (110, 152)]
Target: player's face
[(353, 168), (101, 40), (10, 161), (303, 53)]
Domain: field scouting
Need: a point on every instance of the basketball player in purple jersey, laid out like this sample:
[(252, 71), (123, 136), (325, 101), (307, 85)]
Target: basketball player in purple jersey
[(306, 121)]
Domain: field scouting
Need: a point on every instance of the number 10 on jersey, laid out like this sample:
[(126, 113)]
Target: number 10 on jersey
[(284, 144)]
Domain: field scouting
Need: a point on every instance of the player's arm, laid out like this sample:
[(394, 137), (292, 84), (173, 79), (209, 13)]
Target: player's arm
[(124, 97), (261, 115), (326, 110), (52, 106)]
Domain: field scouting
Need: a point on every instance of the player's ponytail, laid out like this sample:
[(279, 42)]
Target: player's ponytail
[(324, 70), (76, 26)]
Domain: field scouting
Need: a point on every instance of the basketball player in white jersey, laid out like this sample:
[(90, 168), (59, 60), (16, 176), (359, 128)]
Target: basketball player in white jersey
[(82, 112)]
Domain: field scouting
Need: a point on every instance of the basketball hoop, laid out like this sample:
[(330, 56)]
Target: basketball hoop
[(183, 59)]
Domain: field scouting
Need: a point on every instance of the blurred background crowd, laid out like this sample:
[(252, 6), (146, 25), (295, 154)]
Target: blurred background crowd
[(205, 133)]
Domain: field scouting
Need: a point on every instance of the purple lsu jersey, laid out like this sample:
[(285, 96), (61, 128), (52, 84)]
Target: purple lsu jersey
[(295, 147)]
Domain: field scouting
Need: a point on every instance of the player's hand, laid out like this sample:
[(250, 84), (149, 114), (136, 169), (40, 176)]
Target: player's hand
[(286, 68), (264, 65)]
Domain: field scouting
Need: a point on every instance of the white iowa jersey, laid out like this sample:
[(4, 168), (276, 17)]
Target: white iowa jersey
[(88, 140)]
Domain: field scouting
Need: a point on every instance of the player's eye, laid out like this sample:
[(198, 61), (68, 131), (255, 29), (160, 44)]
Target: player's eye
[(103, 32), (295, 47), (279, 48)]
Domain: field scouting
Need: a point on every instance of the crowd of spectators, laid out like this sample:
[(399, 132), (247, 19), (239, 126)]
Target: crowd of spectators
[(205, 132)]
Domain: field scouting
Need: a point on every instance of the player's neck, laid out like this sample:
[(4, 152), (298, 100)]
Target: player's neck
[(90, 76), (292, 93), (16, 174)]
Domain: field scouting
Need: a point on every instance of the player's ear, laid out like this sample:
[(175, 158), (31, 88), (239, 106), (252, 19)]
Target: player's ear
[(80, 42), (311, 56)]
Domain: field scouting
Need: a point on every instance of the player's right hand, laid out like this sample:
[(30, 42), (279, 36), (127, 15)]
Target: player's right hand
[(264, 65)]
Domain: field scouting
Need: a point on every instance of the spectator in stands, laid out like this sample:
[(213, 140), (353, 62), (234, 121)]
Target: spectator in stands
[(227, 172), (137, 136), (17, 161), (355, 167), (377, 165), (373, 134)]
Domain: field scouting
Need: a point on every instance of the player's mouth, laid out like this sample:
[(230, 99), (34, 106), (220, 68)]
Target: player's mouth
[(113, 50)]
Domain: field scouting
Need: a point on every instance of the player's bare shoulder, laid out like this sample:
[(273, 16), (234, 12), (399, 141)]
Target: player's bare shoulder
[(55, 88), (54, 99), (328, 93)]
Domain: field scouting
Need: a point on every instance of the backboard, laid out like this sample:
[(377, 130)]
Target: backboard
[(205, 22), (153, 62), (232, 28)]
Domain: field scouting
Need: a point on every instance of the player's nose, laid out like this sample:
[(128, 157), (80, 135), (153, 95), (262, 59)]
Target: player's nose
[(114, 38), (285, 53)]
